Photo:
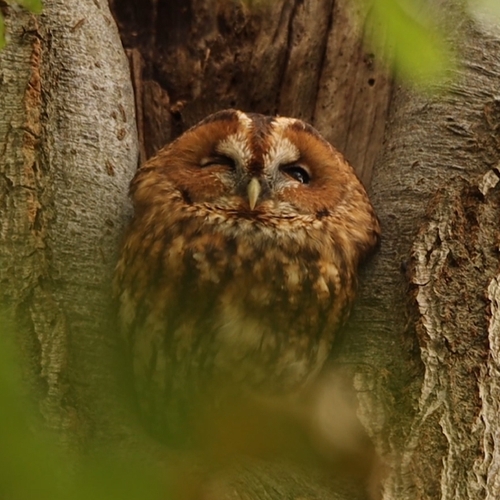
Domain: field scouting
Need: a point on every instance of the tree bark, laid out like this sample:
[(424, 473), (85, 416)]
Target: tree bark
[(69, 148), (435, 281)]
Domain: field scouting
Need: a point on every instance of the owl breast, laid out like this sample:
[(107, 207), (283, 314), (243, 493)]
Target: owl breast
[(241, 260)]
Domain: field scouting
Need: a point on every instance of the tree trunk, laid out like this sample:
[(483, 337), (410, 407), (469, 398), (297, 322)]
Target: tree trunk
[(435, 190), (421, 346), (69, 148)]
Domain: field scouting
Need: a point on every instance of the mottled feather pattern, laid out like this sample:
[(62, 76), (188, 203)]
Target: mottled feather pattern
[(212, 288)]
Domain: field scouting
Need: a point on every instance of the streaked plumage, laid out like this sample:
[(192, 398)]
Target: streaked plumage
[(240, 262)]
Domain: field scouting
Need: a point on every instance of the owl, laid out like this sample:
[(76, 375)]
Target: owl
[(239, 264)]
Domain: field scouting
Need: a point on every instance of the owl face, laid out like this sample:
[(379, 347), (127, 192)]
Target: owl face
[(241, 260), (256, 167)]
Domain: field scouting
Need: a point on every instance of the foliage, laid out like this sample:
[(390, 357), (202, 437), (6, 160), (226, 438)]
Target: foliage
[(34, 6), (405, 30), (2, 32), (32, 466), (421, 51)]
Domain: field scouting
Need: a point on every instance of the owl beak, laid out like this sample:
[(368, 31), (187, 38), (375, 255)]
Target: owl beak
[(253, 190)]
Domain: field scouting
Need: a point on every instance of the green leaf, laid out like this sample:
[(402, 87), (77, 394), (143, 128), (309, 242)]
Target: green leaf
[(2, 32), (420, 52), (34, 467), (34, 6)]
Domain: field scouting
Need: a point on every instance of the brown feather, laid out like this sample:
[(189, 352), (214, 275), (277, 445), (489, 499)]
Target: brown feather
[(211, 290)]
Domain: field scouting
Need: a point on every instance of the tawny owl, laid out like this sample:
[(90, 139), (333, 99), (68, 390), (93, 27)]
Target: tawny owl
[(240, 262)]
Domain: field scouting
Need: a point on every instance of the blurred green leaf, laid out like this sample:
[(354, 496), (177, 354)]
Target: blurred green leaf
[(22, 456), (421, 55), (2, 32), (34, 6), (33, 467)]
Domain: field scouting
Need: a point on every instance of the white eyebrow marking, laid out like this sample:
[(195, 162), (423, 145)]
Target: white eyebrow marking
[(236, 146), (281, 149)]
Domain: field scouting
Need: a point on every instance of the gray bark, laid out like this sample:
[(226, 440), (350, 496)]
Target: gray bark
[(68, 148), (434, 407)]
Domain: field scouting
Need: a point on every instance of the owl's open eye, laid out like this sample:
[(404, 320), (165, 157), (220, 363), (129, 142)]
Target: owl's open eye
[(297, 172), (217, 160)]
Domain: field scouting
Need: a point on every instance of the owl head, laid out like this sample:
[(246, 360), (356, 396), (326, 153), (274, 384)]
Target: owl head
[(273, 171)]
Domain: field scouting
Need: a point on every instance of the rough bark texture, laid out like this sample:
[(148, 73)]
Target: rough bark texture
[(435, 190), (68, 146)]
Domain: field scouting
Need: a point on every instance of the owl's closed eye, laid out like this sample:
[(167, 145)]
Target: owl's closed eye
[(240, 262)]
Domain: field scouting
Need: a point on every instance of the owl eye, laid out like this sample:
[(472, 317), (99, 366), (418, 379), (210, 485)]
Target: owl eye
[(217, 160), (300, 174)]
